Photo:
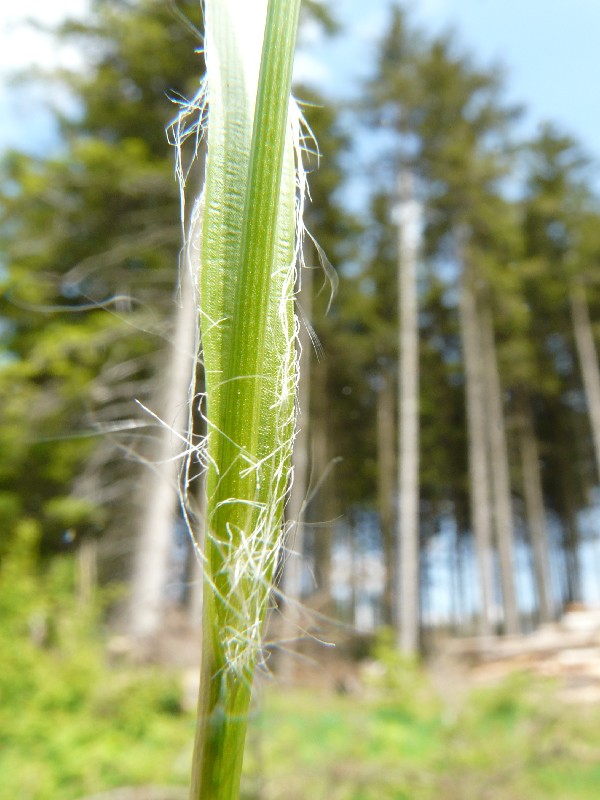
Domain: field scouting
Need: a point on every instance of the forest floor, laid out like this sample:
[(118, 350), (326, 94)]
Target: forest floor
[(84, 717), (567, 652)]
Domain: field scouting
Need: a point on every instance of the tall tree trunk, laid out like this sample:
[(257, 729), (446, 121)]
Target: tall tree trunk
[(453, 588), (194, 568), (588, 362), (461, 606), (195, 586), (159, 495), (353, 576), (534, 506), (479, 470), (408, 423), (498, 452), (323, 502), (571, 541), (385, 488)]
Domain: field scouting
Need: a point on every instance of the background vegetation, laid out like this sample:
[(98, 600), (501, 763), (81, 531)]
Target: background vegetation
[(75, 722), (505, 419)]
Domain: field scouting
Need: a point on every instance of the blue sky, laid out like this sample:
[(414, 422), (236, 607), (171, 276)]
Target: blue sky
[(550, 50), (24, 122)]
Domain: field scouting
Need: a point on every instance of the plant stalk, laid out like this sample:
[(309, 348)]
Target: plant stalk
[(247, 278)]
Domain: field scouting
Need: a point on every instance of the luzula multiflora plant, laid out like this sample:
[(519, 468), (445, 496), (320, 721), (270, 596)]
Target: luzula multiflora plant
[(247, 237)]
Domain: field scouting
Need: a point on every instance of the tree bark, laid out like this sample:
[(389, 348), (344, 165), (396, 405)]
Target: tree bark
[(498, 452), (195, 568), (571, 540), (536, 515), (479, 468), (588, 362), (408, 423), (385, 488), (195, 593), (323, 503), (159, 496)]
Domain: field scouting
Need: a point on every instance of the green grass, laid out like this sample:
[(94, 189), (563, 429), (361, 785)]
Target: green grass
[(349, 748), (73, 725), (302, 745), (70, 725)]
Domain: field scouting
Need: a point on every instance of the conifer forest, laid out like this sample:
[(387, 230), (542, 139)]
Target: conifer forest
[(444, 514)]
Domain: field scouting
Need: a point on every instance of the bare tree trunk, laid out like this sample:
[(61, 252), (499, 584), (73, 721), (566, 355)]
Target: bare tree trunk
[(159, 496), (385, 488), (195, 593), (353, 577), (479, 469), (462, 618), (453, 584), (498, 452), (571, 538), (323, 503), (536, 516), (408, 422), (195, 568), (588, 362)]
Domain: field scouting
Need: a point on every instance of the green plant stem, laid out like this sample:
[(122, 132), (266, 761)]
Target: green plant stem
[(243, 395), (247, 475)]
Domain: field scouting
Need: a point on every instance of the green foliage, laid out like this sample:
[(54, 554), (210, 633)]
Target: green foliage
[(508, 740), (90, 238), (73, 512), (70, 724), (400, 682)]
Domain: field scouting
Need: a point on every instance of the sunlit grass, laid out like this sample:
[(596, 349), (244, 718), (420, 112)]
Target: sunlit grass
[(368, 749), (73, 725)]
